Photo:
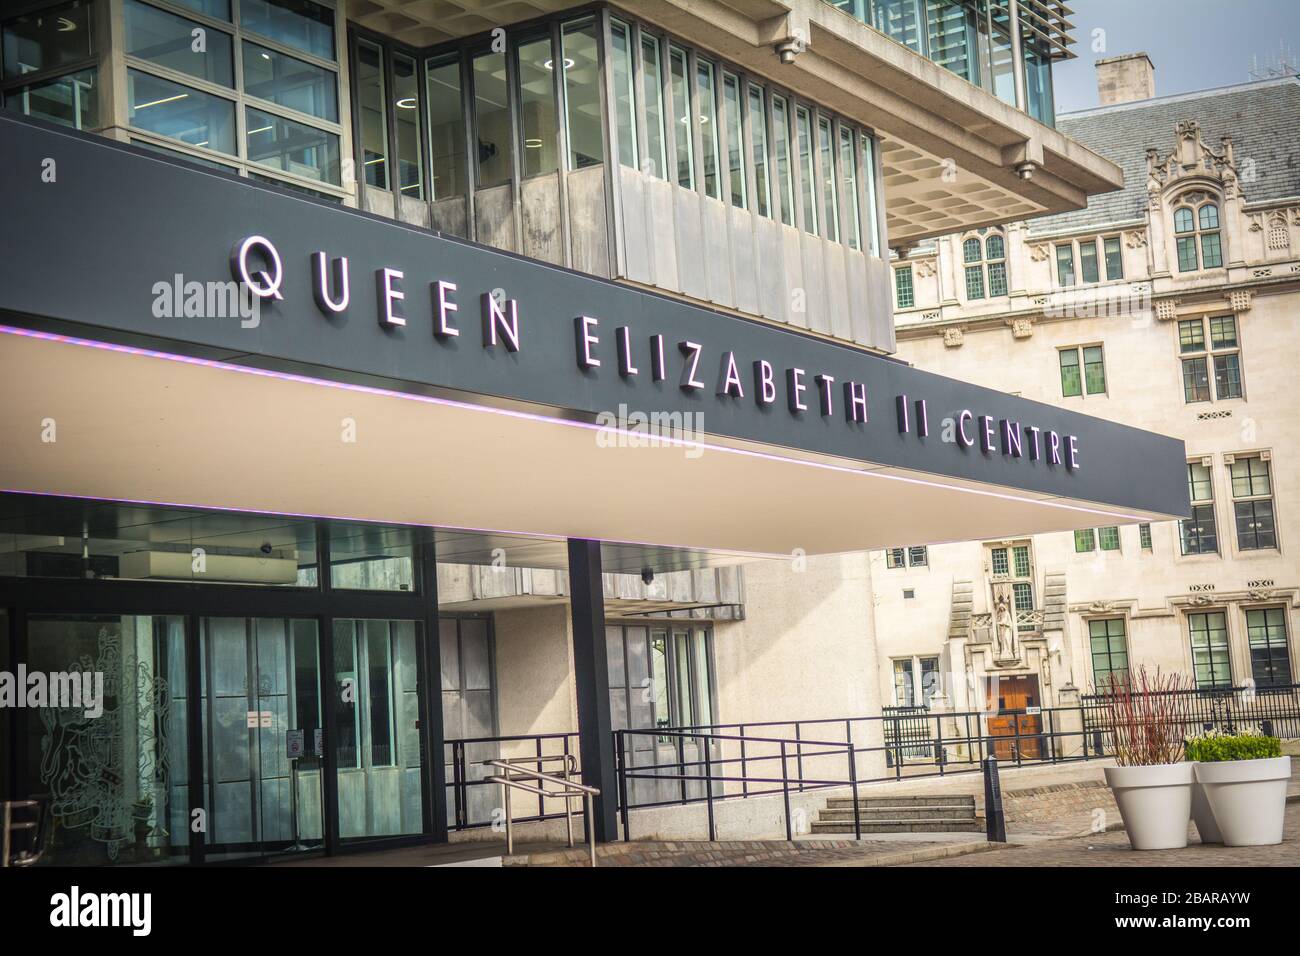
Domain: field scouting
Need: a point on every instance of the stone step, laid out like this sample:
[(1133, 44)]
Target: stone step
[(923, 800), (900, 826), (899, 813)]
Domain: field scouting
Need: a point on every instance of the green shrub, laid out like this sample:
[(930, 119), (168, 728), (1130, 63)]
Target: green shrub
[(1216, 748)]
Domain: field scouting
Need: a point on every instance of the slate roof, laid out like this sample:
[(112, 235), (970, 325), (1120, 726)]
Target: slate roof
[(1263, 119)]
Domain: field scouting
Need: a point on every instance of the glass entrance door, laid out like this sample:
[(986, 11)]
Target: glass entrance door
[(261, 710)]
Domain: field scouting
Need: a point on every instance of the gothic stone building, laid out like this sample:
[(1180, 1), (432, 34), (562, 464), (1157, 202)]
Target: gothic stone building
[(1172, 305)]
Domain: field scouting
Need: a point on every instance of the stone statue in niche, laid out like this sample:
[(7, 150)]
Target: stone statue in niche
[(1005, 628)]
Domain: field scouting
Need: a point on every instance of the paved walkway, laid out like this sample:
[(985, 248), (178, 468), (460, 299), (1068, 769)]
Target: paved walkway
[(1112, 849)]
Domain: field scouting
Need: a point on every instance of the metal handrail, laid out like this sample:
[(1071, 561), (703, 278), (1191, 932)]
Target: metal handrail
[(514, 777), (40, 828)]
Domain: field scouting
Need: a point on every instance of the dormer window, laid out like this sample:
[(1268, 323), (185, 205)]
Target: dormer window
[(1196, 230), (986, 266)]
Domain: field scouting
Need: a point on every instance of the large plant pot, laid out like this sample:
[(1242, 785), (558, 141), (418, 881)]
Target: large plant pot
[(1203, 816), (1155, 803), (1247, 798)]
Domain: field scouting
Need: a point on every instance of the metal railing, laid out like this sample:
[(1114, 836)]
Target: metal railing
[(516, 777), (38, 830), (469, 794), (1275, 710)]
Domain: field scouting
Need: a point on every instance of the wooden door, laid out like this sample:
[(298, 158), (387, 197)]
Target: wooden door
[(1010, 697)]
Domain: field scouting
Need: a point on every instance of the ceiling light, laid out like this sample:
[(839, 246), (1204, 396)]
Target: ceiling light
[(66, 25), (568, 64), (533, 144), (167, 99), (406, 103)]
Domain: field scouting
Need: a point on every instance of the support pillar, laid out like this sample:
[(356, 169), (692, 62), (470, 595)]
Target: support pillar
[(591, 672)]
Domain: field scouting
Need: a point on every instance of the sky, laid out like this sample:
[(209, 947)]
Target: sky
[(1194, 44)]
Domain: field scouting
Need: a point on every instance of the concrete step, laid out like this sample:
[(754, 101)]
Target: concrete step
[(898, 813), (923, 800), (900, 826)]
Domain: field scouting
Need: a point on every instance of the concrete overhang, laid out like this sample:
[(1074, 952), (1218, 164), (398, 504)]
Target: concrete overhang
[(952, 153)]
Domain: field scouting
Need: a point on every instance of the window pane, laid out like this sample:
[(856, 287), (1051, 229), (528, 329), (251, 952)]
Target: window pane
[(1094, 370), (1255, 526), (872, 224), (476, 653), (830, 201), (1211, 251), (735, 139), (297, 23), (994, 247), (1065, 264), (703, 678), (292, 147), (1223, 332), (653, 91), (917, 556), (372, 102), (1114, 258), (1187, 254), (1088, 261), (1071, 382), (1020, 557), (1108, 538), (582, 87), (1198, 533), (43, 40), (1208, 216), (974, 282), (1191, 335), (406, 115), (180, 112), (970, 250), (1183, 221), (624, 102), (894, 558), (758, 135), (1270, 657), (997, 278), (1209, 639), (217, 9), (447, 160), (380, 693), (372, 557), (71, 100), (1085, 540), (1198, 482), (1000, 565), (903, 284), (1196, 380), (1250, 477), (1227, 376), (492, 120), (1144, 536), (708, 121), (784, 171), (290, 82), (803, 130), (538, 115), (167, 40), (903, 696), (682, 125)]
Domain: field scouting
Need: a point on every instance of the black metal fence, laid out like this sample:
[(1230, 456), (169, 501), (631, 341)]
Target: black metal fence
[(666, 766), (474, 802), (1273, 711)]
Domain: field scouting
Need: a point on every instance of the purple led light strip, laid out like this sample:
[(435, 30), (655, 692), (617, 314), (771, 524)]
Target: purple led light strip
[(535, 417)]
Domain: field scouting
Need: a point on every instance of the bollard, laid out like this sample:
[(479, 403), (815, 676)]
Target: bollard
[(994, 817)]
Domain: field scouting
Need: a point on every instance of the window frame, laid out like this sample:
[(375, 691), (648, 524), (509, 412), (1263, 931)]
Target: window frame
[(1081, 365), (1197, 505), (1253, 499), (1110, 651), (1198, 232), (1287, 677), (239, 162), (1201, 352), (1217, 681)]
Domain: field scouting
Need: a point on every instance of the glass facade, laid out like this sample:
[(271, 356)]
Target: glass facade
[(973, 39), (217, 732)]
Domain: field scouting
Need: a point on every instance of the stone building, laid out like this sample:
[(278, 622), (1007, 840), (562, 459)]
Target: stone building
[(1171, 304)]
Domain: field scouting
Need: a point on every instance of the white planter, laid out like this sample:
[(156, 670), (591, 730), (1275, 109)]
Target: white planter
[(1247, 798), (1203, 816), (1155, 803)]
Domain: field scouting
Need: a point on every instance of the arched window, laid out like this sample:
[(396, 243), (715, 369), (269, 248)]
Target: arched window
[(986, 266), (1196, 230)]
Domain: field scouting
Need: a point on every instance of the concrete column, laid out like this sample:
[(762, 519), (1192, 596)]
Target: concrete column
[(591, 676)]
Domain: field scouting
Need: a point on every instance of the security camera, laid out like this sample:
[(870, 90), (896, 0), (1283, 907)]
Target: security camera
[(1025, 171), (647, 576), (266, 547)]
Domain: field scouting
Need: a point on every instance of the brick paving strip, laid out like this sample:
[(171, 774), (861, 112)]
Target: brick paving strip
[(753, 853)]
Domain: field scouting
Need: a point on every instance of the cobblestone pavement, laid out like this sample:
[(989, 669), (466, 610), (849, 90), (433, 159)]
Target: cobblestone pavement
[(1112, 849), (756, 853)]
